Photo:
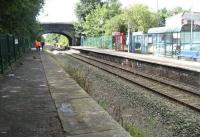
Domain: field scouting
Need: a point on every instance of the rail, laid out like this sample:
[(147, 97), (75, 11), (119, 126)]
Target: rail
[(181, 96)]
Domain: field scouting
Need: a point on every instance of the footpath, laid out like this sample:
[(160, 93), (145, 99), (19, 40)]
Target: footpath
[(39, 99)]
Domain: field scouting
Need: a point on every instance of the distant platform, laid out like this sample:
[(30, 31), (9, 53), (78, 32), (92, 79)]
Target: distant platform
[(172, 62), (179, 73)]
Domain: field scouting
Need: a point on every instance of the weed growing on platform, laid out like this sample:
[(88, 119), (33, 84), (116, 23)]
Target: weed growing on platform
[(135, 132), (76, 75)]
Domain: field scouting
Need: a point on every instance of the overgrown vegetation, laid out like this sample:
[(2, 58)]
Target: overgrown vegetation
[(75, 74)]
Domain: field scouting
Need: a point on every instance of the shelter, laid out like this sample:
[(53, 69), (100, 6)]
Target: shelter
[(178, 34)]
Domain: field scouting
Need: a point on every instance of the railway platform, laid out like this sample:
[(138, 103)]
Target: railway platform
[(39, 99), (187, 65), (180, 73)]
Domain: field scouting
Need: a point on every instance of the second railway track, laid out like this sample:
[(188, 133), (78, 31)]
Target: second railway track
[(182, 96)]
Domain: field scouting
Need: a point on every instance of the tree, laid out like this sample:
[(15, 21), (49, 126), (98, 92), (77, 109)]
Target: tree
[(19, 17), (57, 39), (114, 7), (95, 21), (63, 41), (93, 25), (84, 7), (140, 18), (164, 13), (115, 24)]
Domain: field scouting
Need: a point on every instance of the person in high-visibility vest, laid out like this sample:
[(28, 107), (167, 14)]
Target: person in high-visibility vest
[(37, 45)]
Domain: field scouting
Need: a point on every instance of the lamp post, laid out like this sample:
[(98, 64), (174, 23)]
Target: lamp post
[(158, 14), (129, 38), (191, 23)]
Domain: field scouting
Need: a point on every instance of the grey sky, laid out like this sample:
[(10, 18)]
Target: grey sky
[(63, 10)]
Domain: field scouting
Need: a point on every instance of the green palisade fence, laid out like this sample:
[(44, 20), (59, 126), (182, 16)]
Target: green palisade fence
[(99, 42), (11, 50)]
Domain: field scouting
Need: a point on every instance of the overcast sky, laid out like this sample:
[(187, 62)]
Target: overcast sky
[(63, 10)]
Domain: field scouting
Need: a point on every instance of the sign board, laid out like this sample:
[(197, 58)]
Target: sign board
[(16, 41)]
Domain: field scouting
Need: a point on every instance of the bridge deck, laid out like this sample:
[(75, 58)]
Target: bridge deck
[(31, 106)]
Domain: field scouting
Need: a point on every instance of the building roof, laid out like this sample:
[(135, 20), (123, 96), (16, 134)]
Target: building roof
[(176, 27), (164, 29)]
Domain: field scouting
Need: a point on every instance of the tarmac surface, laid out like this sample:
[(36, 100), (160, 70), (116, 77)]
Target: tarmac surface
[(26, 106), (39, 99)]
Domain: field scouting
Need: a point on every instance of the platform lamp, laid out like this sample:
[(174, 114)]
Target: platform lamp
[(129, 39), (158, 15), (191, 23)]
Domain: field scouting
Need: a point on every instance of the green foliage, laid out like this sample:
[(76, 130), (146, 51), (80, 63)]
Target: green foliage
[(135, 132), (115, 24), (95, 21), (103, 103), (41, 38), (107, 17), (84, 7), (63, 40), (93, 26), (140, 18), (18, 17), (57, 39), (164, 13)]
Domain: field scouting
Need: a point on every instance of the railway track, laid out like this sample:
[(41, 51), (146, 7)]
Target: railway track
[(181, 96)]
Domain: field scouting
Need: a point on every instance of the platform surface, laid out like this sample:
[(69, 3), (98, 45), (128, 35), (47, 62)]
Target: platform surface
[(26, 106), (173, 62)]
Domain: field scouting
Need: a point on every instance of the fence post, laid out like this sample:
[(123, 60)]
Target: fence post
[(24, 43), (14, 48), (19, 47), (1, 57), (8, 51)]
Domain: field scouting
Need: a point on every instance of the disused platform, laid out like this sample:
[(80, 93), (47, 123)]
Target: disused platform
[(40, 99), (180, 73)]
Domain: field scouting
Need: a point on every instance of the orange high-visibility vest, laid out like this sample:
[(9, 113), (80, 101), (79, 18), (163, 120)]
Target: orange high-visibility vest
[(35, 44)]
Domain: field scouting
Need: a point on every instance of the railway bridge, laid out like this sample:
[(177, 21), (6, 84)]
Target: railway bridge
[(64, 28)]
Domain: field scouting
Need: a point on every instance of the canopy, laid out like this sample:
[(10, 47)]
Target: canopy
[(164, 29)]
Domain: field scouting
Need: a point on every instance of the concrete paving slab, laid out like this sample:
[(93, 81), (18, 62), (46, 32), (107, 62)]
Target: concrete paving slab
[(84, 123), (78, 112), (109, 133), (63, 96)]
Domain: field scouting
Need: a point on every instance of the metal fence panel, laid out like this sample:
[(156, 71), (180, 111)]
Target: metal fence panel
[(98, 42), (10, 50)]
